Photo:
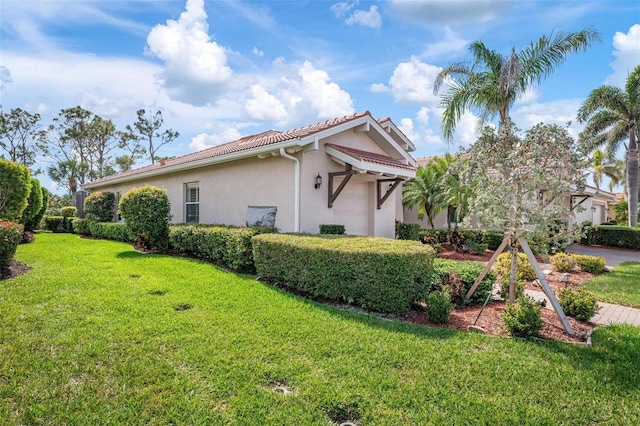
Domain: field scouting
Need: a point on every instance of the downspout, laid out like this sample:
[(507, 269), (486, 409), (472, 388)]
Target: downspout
[(296, 190)]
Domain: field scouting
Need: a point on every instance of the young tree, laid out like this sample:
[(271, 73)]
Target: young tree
[(612, 116), (492, 83), (522, 183), (147, 129), (425, 191), (21, 137)]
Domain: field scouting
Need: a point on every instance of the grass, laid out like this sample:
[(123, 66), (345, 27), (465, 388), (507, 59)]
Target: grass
[(621, 285), (97, 333)]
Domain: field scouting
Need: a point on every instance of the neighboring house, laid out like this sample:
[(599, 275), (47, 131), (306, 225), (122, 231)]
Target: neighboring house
[(343, 171), (592, 205)]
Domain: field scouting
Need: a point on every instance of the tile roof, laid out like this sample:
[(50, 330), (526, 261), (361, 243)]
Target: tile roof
[(270, 137), (370, 157)]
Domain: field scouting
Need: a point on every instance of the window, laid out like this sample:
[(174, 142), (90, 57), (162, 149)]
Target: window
[(192, 203), (452, 214)]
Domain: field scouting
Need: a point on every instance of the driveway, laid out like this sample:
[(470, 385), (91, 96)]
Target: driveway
[(613, 256)]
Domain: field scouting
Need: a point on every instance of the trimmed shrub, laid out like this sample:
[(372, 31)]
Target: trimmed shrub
[(15, 186), (479, 249), (409, 231), (54, 223), (492, 239), (580, 304), (100, 206), (332, 229), (458, 278), (34, 223), (81, 226), (523, 318), (439, 306), (10, 236), (586, 233), (147, 211), (563, 262), (34, 204), (525, 269), (117, 231), (592, 264), (617, 236), (427, 235), (225, 245), (379, 274), (68, 213)]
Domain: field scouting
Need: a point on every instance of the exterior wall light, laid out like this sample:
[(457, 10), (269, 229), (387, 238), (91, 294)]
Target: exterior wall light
[(593, 209), (318, 181)]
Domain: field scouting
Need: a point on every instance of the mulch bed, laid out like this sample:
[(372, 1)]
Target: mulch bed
[(15, 270)]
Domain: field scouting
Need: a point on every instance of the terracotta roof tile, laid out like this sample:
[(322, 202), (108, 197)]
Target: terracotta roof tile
[(370, 157)]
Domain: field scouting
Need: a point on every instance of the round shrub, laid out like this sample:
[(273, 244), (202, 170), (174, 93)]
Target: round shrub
[(504, 289), (580, 304), (100, 206), (34, 223), (10, 236), (523, 319), (439, 306), (563, 262), (591, 264), (15, 186), (525, 269), (34, 203), (147, 211)]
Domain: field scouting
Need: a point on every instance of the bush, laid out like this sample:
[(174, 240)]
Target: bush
[(147, 211), (458, 278), (379, 274), (617, 236), (225, 245), (34, 223), (81, 226), (493, 239), (504, 289), (428, 236), (54, 223), (100, 206), (34, 204), (586, 233), (580, 304), (523, 319), (479, 249), (439, 306), (332, 229), (525, 269), (117, 231), (409, 231), (592, 264), (563, 262), (15, 186), (68, 213), (10, 236)]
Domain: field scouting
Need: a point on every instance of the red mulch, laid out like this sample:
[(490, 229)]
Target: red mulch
[(15, 270), (491, 317)]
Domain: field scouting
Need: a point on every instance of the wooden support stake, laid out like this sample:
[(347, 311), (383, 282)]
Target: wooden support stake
[(545, 286), (486, 269)]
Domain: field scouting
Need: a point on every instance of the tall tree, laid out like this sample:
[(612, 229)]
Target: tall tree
[(21, 137), (101, 139), (491, 84), (425, 191), (612, 116), (147, 129), (603, 166)]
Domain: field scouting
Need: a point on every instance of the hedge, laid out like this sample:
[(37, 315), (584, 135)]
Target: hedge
[(332, 229), (147, 211), (10, 236), (228, 246), (117, 231), (616, 236), (446, 272), (100, 206), (491, 238), (81, 226), (379, 274), (15, 186), (409, 231), (54, 223)]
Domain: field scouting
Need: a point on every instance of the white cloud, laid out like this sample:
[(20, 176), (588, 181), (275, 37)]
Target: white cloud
[(558, 112), (264, 106), (413, 82), (438, 12), (341, 9), (420, 132), (223, 133), (196, 69), (379, 88), (529, 96), (5, 78), (257, 52), (370, 18), (327, 98), (450, 45), (627, 52)]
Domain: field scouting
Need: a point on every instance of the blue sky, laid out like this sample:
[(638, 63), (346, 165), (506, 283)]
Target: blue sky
[(220, 70)]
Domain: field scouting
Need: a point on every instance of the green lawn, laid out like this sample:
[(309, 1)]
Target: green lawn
[(621, 285), (92, 336)]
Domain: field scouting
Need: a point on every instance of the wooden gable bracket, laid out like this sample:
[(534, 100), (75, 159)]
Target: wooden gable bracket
[(573, 198), (348, 172), (382, 198)]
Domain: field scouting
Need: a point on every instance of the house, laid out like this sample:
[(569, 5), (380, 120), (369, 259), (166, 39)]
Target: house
[(347, 171), (591, 204)]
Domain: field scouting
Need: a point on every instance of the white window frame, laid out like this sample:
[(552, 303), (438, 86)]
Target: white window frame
[(189, 201)]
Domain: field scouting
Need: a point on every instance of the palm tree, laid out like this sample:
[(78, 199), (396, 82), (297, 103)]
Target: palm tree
[(492, 83), (605, 166), (612, 115), (425, 191)]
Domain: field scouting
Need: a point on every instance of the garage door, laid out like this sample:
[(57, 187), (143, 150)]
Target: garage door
[(351, 209)]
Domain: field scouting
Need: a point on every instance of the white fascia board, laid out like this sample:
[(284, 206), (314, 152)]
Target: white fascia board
[(390, 126), (367, 167), (259, 152), (316, 136), (409, 159)]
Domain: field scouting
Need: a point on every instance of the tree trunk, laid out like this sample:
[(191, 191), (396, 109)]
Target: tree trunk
[(632, 178), (513, 272)]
